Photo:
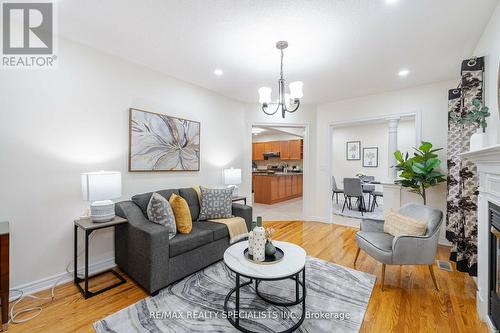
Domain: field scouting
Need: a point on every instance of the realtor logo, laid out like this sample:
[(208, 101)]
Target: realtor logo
[(28, 35)]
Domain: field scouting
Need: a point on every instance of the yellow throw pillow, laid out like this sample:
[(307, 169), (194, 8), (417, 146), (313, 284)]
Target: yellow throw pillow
[(398, 225), (181, 213)]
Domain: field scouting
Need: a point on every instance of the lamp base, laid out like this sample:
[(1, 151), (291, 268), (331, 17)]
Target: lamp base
[(102, 211), (235, 190)]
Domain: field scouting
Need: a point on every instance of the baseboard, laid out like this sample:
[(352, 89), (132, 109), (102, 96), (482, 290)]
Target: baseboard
[(48, 282), (317, 219)]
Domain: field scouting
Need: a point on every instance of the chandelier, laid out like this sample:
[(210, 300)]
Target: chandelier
[(287, 102)]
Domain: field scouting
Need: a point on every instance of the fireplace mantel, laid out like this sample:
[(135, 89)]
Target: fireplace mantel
[(487, 161)]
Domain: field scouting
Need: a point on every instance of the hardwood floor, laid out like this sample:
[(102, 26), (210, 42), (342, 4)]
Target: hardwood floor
[(409, 302)]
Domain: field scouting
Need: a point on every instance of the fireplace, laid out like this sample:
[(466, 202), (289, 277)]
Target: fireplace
[(494, 265)]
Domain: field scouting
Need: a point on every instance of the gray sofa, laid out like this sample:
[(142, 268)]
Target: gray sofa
[(144, 252)]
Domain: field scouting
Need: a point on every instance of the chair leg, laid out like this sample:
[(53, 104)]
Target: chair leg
[(362, 205), (345, 203), (337, 197), (383, 277), (357, 255), (433, 277)]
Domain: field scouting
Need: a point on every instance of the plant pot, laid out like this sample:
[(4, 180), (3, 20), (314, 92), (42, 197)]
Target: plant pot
[(478, 140)]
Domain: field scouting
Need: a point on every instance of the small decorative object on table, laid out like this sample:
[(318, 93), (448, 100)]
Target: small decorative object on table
[(270, 248), (259, 241), (99, 188), (251, 238)]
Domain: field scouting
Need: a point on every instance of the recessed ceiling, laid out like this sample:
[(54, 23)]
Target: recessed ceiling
[(338, 48)]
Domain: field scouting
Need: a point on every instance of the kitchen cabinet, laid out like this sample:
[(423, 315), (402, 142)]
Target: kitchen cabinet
[(258, 149), (284, 150), (271, 189), (295, 147), (289, 150)]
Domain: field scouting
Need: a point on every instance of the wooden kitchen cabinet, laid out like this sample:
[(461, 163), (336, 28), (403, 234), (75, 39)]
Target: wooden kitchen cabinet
[(295, 147), (284, 150), (271, 189), (258, 149)]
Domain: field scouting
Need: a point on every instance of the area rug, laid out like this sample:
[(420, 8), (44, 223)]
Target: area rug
[(336, 301), (378, 212)]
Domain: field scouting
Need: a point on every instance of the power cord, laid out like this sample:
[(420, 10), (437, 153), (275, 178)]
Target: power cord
[(52, 297)]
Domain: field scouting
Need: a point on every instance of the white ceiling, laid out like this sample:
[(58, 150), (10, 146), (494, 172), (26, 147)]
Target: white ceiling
[(339, 48)]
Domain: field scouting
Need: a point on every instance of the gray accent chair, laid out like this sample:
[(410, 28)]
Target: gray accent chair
[(402, 250), (144, 251)]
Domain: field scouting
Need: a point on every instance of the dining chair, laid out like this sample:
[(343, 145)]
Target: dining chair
[(368, 187), (353, 189), (335, 190)]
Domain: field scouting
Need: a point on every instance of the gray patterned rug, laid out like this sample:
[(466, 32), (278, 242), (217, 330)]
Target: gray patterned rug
[(336, 301), (377, 214)]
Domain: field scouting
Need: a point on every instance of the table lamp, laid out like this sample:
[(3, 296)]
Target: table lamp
[(232, 178), (99, 188)]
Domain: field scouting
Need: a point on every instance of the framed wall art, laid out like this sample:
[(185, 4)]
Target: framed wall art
[(353, 150), (158, 142), (370, 157)]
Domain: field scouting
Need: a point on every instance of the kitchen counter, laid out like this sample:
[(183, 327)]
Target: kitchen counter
[(271, 188)]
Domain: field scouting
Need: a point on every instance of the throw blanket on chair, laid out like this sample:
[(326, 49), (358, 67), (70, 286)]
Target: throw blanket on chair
[(236, 226)]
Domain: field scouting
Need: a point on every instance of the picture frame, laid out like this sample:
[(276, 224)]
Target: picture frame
[(353, 150), (158, 142), (370, 157)]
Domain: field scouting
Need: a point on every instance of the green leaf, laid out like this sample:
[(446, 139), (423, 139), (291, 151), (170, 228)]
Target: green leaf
[(476, 102), (425, 146)]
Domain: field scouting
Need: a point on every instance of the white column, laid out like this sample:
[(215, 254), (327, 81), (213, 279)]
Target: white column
[(393, 146)]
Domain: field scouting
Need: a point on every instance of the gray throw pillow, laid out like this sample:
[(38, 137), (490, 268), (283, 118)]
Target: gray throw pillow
[(216, 203), (159, 211)]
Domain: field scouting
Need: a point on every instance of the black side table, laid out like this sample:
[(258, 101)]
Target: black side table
[(88, 226)]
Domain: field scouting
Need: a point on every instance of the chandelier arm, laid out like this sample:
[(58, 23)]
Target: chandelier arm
[(296, 107), (270, 114)]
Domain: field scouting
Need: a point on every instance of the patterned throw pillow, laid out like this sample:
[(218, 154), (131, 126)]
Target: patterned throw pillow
[(216, 203), (399, 225), (159, 211)]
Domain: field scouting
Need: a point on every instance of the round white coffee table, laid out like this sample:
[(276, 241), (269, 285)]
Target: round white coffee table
[(290, 267)]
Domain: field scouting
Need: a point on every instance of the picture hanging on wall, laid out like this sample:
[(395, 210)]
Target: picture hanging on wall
[(158, 142), (370, 157), (353, 150)]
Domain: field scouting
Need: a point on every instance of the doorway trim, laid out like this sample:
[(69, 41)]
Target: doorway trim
[(364, 121), (306, 162)]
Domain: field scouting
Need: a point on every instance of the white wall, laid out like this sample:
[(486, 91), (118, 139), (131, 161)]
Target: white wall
[(429, 100), (370, 135), (489, 46), (56, 124), (306, 115), (274, 137)]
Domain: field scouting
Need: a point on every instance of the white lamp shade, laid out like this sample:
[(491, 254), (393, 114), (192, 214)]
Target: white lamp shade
[(102, 185), (232, 176), (265, 95), (296, 89)]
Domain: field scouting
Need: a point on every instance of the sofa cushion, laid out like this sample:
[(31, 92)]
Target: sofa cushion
[(183, 243), (220, 230), (142, 200), (159, 211), (191, 197), (182, 214), (216, 203)]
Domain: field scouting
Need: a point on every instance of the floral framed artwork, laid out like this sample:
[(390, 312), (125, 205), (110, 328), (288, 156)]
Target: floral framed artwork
[(158, 142), (370, 157), (353, 150)]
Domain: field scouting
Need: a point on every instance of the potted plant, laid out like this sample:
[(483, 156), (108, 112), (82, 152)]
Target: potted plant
[(419, 172), (477, 115)]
